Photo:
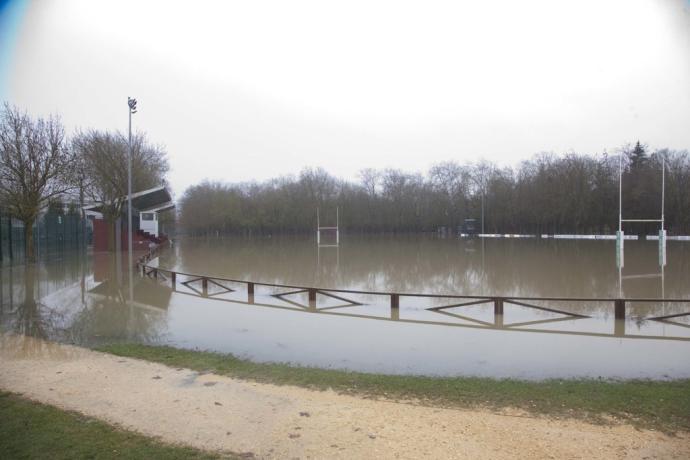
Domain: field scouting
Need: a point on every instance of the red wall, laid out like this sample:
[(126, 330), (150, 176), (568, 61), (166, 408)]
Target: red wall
[(100, 237)]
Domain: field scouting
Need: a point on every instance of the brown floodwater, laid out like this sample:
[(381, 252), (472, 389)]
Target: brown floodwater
[(84, 299)]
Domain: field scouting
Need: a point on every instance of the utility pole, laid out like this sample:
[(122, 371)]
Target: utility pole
[(620, 192), (132, 104), (483, 232), (662, 232), (663, 190), (619, 235)]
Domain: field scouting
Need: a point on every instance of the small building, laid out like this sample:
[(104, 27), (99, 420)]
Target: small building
[(148, 220), (146, 208), (469, 227)]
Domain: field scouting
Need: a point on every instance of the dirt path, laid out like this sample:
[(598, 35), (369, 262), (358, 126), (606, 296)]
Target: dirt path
[(219, 413)]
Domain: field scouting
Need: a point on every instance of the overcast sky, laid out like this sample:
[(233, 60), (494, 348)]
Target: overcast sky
[(240, 91)]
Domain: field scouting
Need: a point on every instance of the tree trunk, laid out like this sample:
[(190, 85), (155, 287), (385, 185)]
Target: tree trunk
[(111, 235), (83, 217), (29, 240)]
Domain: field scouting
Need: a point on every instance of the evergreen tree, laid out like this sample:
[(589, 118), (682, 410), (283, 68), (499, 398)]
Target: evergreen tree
[(638, 157)]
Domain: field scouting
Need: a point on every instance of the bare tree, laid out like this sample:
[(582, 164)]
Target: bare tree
[(103, 157), (451, 183), (549, 193), (33, 167), (370, 179), (448, 177)]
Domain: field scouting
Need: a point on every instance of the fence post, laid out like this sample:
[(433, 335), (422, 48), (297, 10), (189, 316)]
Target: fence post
[(619, 308), (250, 292), (498, 306), (395, 311), (498, 312), (173, 280), (395, 301), (204, 287), (312, 298)]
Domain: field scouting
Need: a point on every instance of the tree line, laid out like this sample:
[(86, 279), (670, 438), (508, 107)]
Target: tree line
[(42, 167), (572, 193)]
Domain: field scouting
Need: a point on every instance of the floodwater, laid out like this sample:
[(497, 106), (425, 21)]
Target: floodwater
[(84, 299)]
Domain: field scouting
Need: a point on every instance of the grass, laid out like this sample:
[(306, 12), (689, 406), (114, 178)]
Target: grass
[(31, 430), (662, 405)]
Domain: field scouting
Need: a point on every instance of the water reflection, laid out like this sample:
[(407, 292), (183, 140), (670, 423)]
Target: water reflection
[(537, 268), (80, 299), (520, 268), (83, 299), (503, 314), (32, 316)]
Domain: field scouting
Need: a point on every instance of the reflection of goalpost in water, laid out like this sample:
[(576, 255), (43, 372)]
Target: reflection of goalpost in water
[(620, 235)]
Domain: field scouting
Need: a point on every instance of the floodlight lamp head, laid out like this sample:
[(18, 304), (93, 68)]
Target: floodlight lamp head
[(132, 105)]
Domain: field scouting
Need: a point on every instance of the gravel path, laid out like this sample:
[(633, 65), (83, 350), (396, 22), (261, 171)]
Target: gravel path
[(220, 413)]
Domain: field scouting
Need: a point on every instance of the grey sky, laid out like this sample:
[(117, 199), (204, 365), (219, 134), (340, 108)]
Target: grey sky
[(249, 90)]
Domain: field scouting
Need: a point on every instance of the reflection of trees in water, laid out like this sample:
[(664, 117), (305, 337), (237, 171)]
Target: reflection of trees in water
[(379, 263), (529, 268), (30, 316), (61, 302)]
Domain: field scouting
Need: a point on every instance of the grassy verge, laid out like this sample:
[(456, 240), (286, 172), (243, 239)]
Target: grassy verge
[(646, 404), (31, 430)]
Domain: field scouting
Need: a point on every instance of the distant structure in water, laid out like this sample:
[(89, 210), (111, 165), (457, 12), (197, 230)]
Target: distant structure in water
[(469, 227), (620, 235), (319, 228)]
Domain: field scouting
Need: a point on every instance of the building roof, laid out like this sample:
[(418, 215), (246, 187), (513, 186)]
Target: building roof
[(152, 200), (161, 208)]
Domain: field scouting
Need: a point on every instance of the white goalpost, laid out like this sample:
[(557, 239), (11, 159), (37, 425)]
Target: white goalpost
[(331, 228), (620, 235)]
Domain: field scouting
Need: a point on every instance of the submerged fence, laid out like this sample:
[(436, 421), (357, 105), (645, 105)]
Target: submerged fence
[(52, 233), (218, 288)]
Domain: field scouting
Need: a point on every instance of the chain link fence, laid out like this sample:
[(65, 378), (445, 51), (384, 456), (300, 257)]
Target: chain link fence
[(53, 233)]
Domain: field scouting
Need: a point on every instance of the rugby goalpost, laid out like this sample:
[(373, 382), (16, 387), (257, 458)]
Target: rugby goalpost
[(331, 228), (620, 235)]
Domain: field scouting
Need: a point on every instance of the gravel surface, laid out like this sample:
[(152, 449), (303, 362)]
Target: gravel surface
[(213, 412)]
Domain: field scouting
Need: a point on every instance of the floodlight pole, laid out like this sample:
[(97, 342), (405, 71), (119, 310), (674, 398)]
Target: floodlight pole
[(129, 192), (132, 105), (663, 190), (620, 192), (483, 232), (482, 188), (318, 228), (619, 235), (662, 232)]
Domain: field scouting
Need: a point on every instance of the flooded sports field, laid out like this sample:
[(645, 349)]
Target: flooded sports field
[(389, 304)]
